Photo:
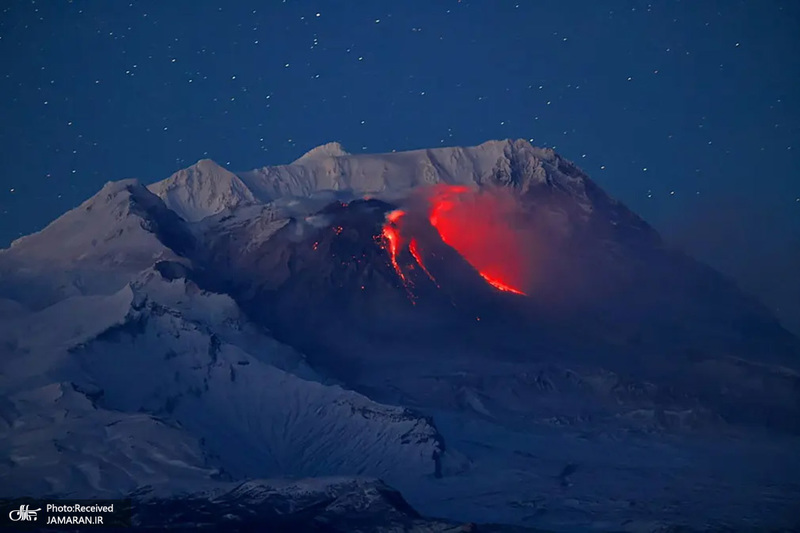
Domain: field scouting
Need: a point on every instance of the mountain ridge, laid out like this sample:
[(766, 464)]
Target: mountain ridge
[(329, 168), (311, 319), (202, 189)]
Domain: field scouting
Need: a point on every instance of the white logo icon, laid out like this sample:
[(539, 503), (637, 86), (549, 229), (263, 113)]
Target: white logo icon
[(23, 513)]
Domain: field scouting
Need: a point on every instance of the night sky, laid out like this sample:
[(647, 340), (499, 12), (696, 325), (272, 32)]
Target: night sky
[(687, 111)]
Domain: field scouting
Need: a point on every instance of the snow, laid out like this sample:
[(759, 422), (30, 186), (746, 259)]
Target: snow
[(39, 342), (113, 378), (621, 481), (151, 349), (95, 248), (331, 149), (59, 443), (202, 190), (206, 189), (376, 174)]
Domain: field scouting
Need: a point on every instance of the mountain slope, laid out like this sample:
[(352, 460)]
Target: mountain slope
[(186, 353), (309, 284), (202, 190), (609, 302), (95, 248), (336, 316)]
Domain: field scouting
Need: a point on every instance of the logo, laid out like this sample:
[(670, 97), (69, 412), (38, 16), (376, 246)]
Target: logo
[(24, 514)]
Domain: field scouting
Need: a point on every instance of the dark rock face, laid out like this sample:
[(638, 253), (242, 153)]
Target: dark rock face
[(615, 299), (345, 506)]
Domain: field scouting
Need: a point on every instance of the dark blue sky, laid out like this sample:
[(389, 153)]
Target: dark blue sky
[(688, 111)]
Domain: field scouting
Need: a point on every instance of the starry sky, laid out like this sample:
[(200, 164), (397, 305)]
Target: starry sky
[(687, 111)]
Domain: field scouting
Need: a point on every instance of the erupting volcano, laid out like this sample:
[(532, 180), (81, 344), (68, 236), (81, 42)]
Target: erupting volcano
[(477, 224)]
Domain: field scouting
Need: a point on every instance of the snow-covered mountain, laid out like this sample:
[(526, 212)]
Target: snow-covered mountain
[(95, 248), (202, 190), (169, 350), (320, 319), (329, 168)]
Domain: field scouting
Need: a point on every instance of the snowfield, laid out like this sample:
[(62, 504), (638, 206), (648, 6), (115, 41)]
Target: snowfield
[(240, 342)]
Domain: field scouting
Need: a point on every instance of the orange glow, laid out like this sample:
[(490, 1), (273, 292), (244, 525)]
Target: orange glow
[(395, 215), (476, 224), (391, 235), (499, 285), (473, 223)]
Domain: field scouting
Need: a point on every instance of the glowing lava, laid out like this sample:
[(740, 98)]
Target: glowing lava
[(499, 285), (391, 234), (477, 225)]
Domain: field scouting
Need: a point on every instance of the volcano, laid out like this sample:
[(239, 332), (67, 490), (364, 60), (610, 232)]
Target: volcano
[(482, 328)]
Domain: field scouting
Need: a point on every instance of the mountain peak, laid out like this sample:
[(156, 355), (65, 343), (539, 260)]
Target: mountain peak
[(207, 164), (202, 190), (331, 149), (123, 222), (113, 201)]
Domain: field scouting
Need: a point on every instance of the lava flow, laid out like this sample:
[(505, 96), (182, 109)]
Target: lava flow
[(412, 247), (391, 234), (474, 223), (499, 285)]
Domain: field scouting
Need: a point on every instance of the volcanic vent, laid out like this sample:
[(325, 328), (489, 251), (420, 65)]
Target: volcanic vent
[(377, 270)]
